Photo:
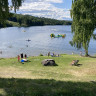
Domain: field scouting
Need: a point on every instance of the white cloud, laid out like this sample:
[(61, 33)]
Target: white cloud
[(54, 1), (44, 8), (51, 1)]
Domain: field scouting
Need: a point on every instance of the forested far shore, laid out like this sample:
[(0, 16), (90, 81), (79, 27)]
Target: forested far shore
[(19, 20)]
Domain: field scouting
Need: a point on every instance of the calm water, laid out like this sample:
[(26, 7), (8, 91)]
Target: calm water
[(13, 41)]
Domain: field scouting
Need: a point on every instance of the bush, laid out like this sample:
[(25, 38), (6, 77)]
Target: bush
[(41, 54)]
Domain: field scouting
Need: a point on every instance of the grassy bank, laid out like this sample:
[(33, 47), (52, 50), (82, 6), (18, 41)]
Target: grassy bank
[(33, 79)]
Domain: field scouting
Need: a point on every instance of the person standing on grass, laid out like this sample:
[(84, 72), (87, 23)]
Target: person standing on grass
[(21, 56), (18, 58), (25, 56), (80, 53), (48, 54)]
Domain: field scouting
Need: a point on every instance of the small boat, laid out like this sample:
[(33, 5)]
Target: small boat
[(24, 31), (28, 40)]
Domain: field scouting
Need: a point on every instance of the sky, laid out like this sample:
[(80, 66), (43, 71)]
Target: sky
[(56, 9)]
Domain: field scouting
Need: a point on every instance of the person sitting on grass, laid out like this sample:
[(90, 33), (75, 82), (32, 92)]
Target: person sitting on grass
[(23, 60), (53, 55), (75, 62)]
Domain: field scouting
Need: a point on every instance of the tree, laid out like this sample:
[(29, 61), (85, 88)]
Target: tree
[(4, 9), (83, 13)]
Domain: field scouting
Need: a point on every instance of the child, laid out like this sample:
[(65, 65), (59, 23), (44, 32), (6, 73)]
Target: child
[(18, 58), (25, 56)]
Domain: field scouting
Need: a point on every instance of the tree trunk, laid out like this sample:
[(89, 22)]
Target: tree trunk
[(86, 53)]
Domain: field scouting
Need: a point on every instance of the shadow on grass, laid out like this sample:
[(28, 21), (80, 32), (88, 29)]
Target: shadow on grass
[(89, 56), (92, 56), (46, 87), (56, 64), (78, 65)]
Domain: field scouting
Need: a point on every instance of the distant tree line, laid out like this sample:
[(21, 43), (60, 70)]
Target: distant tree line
[(27, 20)]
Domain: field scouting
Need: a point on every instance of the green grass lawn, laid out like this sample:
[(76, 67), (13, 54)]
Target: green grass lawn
[(33, 79), (13, 23)]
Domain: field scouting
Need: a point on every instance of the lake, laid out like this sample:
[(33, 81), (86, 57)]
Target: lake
[(13, 41)]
